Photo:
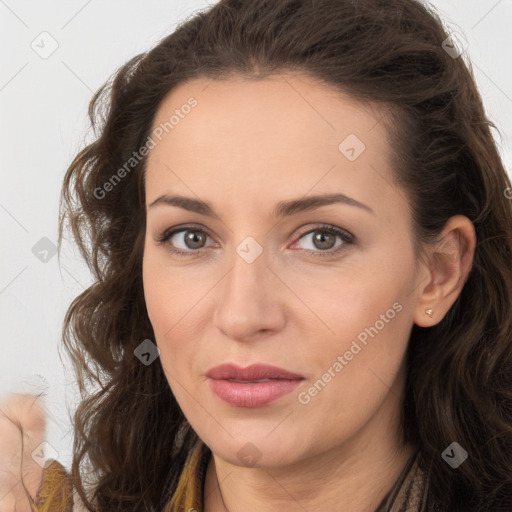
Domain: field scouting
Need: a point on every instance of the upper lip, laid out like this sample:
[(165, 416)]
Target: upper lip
[(253, 372)]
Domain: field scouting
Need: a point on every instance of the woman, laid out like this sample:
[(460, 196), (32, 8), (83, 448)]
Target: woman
[(298, 223)]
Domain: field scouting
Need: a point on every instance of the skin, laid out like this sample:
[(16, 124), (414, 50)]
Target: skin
[(247, 145), (16, 448)]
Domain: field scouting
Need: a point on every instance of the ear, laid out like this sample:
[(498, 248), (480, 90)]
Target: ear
[(448, 264)]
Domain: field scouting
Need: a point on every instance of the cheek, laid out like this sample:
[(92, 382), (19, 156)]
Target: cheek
[(175, 303), (353, 370), (368, 335), (164, 304), (156, 295), (365, 320), (168, 292)]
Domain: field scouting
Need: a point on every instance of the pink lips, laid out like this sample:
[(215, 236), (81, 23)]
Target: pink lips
[(254, 386)]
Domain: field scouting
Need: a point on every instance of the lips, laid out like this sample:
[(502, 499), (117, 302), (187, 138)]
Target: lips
[(255, 372), (254, 386)]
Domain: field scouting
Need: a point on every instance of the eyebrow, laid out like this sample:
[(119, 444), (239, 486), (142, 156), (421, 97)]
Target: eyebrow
[(283, 208)]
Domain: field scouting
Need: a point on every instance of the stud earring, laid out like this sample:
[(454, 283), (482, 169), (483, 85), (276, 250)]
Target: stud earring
[(429, 312)]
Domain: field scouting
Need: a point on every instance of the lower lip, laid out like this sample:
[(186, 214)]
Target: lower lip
[(258, 394)]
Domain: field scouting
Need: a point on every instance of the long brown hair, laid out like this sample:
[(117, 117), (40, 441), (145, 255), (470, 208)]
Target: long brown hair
[(131, 438)]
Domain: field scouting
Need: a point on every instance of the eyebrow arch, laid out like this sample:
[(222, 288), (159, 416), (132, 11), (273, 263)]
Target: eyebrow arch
[(283, 208)]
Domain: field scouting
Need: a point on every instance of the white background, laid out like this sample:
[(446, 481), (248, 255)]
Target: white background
[(43, 105)]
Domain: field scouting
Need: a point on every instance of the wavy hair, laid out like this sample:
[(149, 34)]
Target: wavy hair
[(131, 437)]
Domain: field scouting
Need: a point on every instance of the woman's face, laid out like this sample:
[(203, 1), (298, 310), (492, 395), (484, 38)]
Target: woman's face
[(296, 253)]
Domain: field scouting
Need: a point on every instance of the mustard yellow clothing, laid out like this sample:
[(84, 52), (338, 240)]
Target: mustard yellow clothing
[(56, 491), (409, 494)]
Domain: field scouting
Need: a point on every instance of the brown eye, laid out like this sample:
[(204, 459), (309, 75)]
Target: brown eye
[(184, 241), (324, 240), (194, 239)]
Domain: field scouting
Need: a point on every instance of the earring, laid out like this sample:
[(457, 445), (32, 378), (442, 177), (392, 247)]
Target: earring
[(429, 312)]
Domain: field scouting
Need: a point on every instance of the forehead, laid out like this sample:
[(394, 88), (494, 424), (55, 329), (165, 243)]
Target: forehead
[(306, 109), (286, 132)]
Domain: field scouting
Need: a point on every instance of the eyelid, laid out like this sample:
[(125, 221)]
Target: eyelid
[(183, 227), (343, 233)]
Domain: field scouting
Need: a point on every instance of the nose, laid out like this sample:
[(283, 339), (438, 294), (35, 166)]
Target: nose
[(249, 300)]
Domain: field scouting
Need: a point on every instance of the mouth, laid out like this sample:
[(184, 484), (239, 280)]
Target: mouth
[(250, 381), (253, 373), (254, 386)]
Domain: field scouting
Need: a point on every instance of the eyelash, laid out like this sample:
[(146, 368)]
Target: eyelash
[(346, 237)]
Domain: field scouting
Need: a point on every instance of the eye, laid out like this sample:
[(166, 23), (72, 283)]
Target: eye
[(322, 240), (184, 240)]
